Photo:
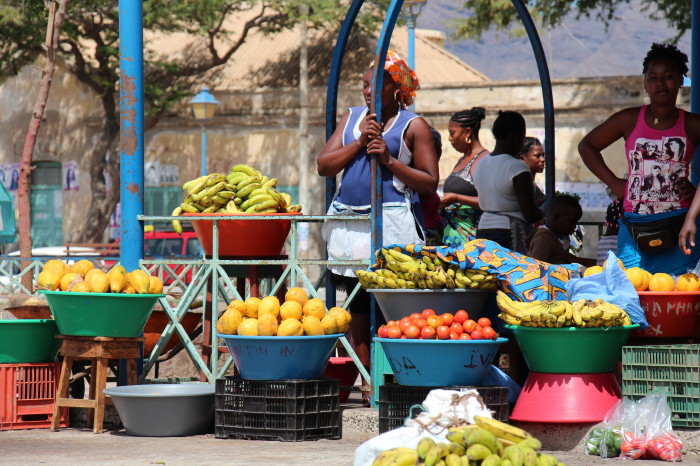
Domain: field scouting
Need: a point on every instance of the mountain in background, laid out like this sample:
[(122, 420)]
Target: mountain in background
[(576, 48)]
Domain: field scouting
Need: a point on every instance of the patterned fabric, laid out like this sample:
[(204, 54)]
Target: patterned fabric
[(519, 276), (460, 223), (402, 75)]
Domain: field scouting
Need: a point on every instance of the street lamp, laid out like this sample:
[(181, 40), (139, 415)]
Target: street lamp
[(412, 10), (203, 106)]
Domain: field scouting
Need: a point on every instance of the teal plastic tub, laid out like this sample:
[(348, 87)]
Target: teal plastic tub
[(572, 350), (28, 341), (440, 363), (101, 314)]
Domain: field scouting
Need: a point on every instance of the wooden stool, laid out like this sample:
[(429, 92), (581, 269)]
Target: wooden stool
[(98, 350)]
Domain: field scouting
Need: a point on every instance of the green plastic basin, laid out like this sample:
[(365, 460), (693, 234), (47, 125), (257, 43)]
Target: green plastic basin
[(100, 314), (572, 350), (28, 340)]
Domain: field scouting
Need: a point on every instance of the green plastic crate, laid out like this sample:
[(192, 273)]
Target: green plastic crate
[(673, 368), (382, 372)]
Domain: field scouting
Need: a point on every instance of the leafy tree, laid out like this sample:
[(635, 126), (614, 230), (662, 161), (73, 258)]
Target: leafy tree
[(500, 14), (89, 47)]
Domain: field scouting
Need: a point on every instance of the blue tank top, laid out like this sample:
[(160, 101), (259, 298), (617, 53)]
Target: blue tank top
[(355, 186)]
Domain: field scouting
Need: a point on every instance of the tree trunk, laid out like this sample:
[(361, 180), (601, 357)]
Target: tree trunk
[(23, 189)]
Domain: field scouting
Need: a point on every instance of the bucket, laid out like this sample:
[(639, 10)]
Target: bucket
[(571, 350), (345, 370), (244, 237), (281, 358), (440, 363), (670, 314), (566, 398), (399, 303)]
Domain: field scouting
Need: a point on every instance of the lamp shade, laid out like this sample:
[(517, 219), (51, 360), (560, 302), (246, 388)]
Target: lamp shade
[(414, 6), (203, 104)]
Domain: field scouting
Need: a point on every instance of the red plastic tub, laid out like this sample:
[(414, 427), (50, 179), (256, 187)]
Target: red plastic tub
[(343, 369), (244, 237), (566, 398), (670, 314)]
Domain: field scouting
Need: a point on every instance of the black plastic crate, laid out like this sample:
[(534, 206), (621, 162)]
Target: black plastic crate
[(395, 402), (286, 410)]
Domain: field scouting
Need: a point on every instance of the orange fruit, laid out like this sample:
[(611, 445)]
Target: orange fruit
[(688, 282), (622, 266), (661, 282), (592, 270), (269, 305), (639, 278), (290, 310), (251, 307), (315, 307), (296, 294)]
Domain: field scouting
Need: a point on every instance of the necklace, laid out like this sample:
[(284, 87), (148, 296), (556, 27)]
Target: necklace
[(657, 119)]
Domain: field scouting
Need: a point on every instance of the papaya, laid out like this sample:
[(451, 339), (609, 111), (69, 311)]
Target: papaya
[(49, 280), (117, 279), (155, 285), (229, 321), (138, 279), (67, 280), (82, 267), (97, 281), (80, 287)]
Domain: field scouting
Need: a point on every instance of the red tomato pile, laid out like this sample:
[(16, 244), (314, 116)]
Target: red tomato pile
[(430, 326)]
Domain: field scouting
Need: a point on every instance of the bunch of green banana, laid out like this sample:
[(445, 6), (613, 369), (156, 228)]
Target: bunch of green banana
[(382, 278), (582, 313), (206, 194), (487, 443), (400, 456)]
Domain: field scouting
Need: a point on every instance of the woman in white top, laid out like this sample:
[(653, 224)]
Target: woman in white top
[(505, 186)]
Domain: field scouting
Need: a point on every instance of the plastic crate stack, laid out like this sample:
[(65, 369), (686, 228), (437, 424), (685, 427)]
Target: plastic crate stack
[(675, 368), (286, 410), (396, 401), (27, 394)]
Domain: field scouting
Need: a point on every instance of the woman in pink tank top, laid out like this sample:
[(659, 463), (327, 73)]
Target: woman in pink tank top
[(660, 141)]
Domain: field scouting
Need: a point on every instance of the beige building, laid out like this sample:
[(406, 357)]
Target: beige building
[(257, 119)]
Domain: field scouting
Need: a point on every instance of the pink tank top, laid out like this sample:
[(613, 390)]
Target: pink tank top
[(655, 161)]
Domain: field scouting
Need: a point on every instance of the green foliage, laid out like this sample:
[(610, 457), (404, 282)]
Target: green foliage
[(500, 15)]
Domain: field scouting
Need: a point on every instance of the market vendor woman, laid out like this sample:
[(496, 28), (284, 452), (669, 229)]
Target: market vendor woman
[(657, 194), (404, 144)]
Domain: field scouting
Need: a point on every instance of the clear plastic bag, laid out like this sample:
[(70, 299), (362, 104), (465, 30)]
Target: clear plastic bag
[(605, 438)]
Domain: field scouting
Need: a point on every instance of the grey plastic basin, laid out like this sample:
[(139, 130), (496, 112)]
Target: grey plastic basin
[(165, 410), (396, 304)]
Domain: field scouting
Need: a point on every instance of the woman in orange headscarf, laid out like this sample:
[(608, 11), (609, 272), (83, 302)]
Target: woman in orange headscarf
[(404, 144)]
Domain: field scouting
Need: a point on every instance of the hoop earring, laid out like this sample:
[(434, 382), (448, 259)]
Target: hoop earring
[(468, 140), (396, 95)]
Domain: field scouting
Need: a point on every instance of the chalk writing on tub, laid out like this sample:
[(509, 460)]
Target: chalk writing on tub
[(287, 351), (482, 359), (403, 365), (256, 349), (678, 308)]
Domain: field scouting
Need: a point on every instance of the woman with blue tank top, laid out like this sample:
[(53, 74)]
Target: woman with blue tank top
[(408, 162), (660, 141)]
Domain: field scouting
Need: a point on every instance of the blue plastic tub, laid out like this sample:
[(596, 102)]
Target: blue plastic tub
[(440, 363), (281, 358)]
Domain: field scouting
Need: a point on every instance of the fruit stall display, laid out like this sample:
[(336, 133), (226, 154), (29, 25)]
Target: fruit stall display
[(488, 442)]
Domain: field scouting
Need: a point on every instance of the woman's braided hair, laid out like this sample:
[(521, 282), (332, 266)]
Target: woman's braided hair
[(669, 52), (471, 118)]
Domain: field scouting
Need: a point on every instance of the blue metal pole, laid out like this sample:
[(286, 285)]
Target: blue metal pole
[(411, 23), (131, 141), (546, 83), (695, 58), (332, 108), (204, 150)]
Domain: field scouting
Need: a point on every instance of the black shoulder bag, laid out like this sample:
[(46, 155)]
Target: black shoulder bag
[(657, 236)]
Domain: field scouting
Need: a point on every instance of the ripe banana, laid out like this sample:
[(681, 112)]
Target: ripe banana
[(271, 183), (478, 452), (247, 169), (424, 446), (501, 429), (189, 208), (294, 208), (236, 177), (271, 204), (215, 178), (256, 200), (400, 456), (233, 208), (177, 226), (246, 190)]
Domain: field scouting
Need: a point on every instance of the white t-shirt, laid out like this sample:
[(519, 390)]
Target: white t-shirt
[(493, 179)]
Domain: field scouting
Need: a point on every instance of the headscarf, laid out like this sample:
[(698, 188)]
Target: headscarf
[(403, 76)]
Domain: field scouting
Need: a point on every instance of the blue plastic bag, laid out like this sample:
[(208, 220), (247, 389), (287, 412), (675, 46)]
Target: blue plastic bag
[(613, 286), (498, 378)]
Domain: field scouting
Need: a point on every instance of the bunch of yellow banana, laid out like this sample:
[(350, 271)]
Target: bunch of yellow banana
[(401, 270), (243, 190), (487, 443), (581, 313)]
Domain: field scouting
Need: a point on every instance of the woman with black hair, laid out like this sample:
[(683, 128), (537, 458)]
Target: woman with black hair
[(646, 128), (460, 200), (507, 192), (532, 153)]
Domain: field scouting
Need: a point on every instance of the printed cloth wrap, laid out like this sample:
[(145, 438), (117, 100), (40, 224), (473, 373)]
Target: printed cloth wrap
[(460, 223), (403, 76), (519, 276)]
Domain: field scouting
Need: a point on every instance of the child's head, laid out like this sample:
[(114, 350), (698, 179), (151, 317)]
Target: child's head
[(563, 213), (437, 140)]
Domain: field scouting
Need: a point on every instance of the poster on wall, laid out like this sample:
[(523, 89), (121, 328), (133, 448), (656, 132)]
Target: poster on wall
[(4, 177), (11, 173), (115, 222), (169, 174), (152, 175), (70, 176)]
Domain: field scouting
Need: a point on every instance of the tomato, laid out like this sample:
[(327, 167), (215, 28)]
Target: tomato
[(478, 328), (412, 331), (447, 319), (469, 326), (457, 328), (484, 322), (427, 313), (476, 335), (428, 333), (420, 323), (454, 336), (383, 332), (392, 323), (443, 332), (489, 333), (404, 324), (394, 332), (415, 316), (461, 316), (465, 336), (434, 321)]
